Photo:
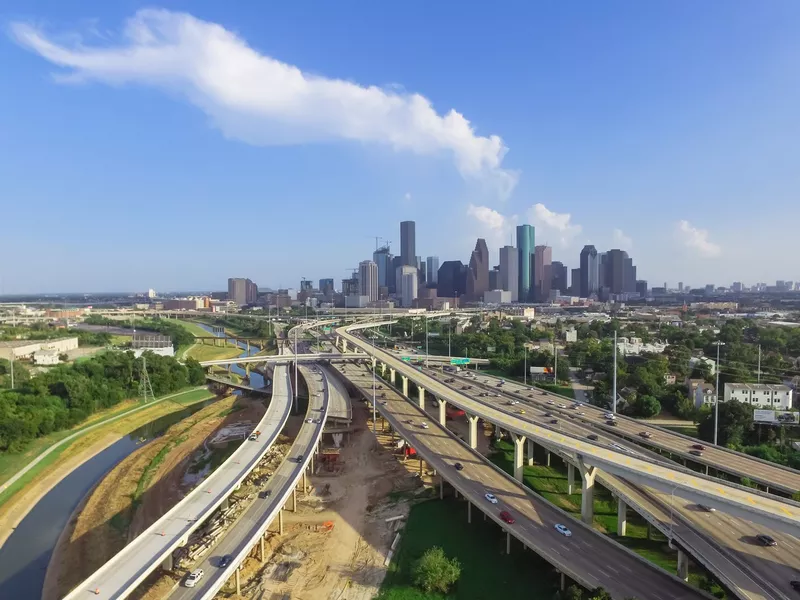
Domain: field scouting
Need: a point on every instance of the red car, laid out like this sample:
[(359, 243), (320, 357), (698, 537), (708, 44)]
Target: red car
[(698, 447), (506, 516)]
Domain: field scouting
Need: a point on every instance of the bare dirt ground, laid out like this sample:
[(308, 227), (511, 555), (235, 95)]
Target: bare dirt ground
[(313, 562), (107, 518)]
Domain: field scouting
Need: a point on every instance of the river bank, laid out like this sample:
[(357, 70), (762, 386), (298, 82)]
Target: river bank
[(139, 490)]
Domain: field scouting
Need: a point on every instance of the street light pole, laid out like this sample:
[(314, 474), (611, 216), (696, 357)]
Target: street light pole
[(525, 371), (295, 369), (449, 351), (426, 341), (614, 392), (716, 404)]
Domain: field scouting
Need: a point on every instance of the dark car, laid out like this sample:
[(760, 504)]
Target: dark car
[(696, 452), (554, 421), (451, 380), (383, 394), (265, 494), (612, 423), (548, 414), (766, 540), (458, 466), (795, 584), (299, 458), (225, 561), (592, 436), (646, 434), (698, 447), (544, 393)]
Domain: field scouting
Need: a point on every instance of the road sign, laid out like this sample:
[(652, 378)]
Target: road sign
[(541, 370), (405, 358), (776, 417), (459, 361)]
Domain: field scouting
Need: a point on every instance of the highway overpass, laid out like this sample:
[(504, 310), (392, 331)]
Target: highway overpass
[(126, 570)]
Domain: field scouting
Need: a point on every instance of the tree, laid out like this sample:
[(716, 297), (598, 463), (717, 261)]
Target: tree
[(735, 424), (599, 594), (434, 572), (647, 406), (573, 592)]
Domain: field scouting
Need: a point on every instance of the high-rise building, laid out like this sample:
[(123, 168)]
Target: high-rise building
[(526, 244), (737, 286), (478, 276), (589, 266), (421, 268), (306, 285), (641, 288), (452, 279), (432, 270), (368, 279), (542, 273), (408, 285), (494, 278), (383, 258), (242, 291), (393, 278), (408, 243), (619, 274), (680, 287), (351, 287), (575, 285), (558, 281), (326, 287), (509, 271)]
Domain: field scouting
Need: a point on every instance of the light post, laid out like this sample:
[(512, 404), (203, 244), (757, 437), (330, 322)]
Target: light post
[(449, 352), (716, 404), (614, 392), (525, 372), (295, 369), (671, 513), (426, 341)]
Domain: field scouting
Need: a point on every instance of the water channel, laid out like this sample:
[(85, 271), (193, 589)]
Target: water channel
[(26, 553)]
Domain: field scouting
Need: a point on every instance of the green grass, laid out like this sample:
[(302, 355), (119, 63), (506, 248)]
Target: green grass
[(690, 431), (193, 328), (486, 571), (201, 352)]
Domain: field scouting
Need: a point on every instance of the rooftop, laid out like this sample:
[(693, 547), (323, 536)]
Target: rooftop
[(758, 387)]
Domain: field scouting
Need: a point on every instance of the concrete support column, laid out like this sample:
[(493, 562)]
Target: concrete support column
[(261, 549), (473, 431), (391, 376), (441, 489), (420, 467), (421, 393), (167, 563), (280, 522), (519, 455), (498, 433), (305, 483), (405, 385), (238, 583), (531, 447), (248, 348), (442, 412), (247, 365), (587, 492), (622, 516), (294, 500), (383, 369), (563, 582), (508, 542), (225, 504), (547, 457), (570, 478), (683, 565), (469, 511)]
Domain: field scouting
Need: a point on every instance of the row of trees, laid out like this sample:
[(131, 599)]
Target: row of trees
[(43, 331), (257, 328), (179, 335), (66, 395)]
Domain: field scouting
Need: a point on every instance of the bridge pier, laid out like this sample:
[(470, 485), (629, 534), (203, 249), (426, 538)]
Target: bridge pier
[(238, 583), (563, 582), (294, 500), (383, 370), (531, 448), (498, 433), (570, 478), (683, 565), (280, 522), (391, 376), (469, 511), (622, 517), (519, 453), (508, 542), (248, 347), (168, 564), (587, 492), (261, 549), (441, 488), (442, 412), (405, 385), (473, 431), (421, 394)]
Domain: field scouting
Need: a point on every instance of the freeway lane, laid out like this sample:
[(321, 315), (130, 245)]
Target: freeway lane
[(120, 575), (587, 557), (743, 502), (255, 519), (718, 549)]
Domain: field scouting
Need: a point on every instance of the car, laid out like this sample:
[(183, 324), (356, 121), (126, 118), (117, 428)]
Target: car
[(563, 530), (706, 508), (490, 497), (544, 393), (502, 381), (458, 466), (554, 421), (766, 540), (309, 420), (469, 387), (194, 577), (562, 406), (424, 425), (506, 516), (795, 585), (263, 494), (548, 414), (646, 434), (409, 421), (299, 458), (592, 436), (451, 380), (483, 394), (383, 402), (521, 412), (383, 395), (609, 415), (698, 447), (550, 402), (612, 422), (696, 452), (225, 561)]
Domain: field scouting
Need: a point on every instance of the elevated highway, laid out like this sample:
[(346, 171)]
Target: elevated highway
[(739, 501), (124, 572), (285, 357), (587, 557), (239, 386)]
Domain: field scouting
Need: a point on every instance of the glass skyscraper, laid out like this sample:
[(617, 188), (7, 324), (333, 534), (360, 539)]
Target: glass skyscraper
[(526, 247)]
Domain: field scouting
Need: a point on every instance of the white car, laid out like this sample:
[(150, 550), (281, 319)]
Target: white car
[(563, 530), (611, 416), (309, 420), (551, 402), (424, 425), (490, 497), (194, 577), (562, 406)]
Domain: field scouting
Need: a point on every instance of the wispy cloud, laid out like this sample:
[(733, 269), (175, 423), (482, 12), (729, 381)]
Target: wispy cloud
[(262, 101), (697, 239), (622, 241), (407, 197), (492, 225), (559, 224)]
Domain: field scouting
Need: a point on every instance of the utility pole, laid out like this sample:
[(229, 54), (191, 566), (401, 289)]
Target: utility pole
[(525, 368), (759, 363), (145, 388), (12, 368), (426, 341), (295, 369), (555, 367), (614, 392), (716, 404)]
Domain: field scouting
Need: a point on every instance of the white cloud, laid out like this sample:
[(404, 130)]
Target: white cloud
[(622, 241), (407, 197), (493, 226), (260, 100), (489, 218), (559, 224), (697, 240)]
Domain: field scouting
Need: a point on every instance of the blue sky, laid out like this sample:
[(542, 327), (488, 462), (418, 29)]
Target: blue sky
[(175, 145)]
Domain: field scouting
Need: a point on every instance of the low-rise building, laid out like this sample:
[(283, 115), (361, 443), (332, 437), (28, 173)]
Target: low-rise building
[(767, 395), (704, 393), (497, 297), (46, 356), (25, 349), (152, 342)]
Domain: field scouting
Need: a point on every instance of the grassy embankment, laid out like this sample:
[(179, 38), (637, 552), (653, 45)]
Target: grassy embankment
[(486, 571), (119, 423), (552, 484), (564, 390), (204, 351)]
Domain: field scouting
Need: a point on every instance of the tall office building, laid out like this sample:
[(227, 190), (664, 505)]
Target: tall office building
[(408, 243), (494, 278), (326, 287), (432, 269), (478, 276), (421, 269), (589, 265), (393, 278), (542, 273), (575, 286), (368, 279), (383, 258), (558, 280), (509, 271), (526, 244), (452, 279), (242, 291), (617, 272), (408, 277), (351, 286)]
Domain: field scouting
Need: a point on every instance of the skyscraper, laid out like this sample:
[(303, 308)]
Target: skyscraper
[(494, 278), (368, 279), (509, 271), (408, 243), (589, 266), (393, 278), (526, 243), (432, 271), (242, 291), (383, 258), (326, 286), (542, 272), (559, 277), (618, 271), (575, 286), (478, 276), (452, 279), (407, 275)]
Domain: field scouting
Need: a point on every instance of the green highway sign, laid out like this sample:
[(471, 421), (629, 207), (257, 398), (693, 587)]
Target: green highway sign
[(405, 358), (459, 361)]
